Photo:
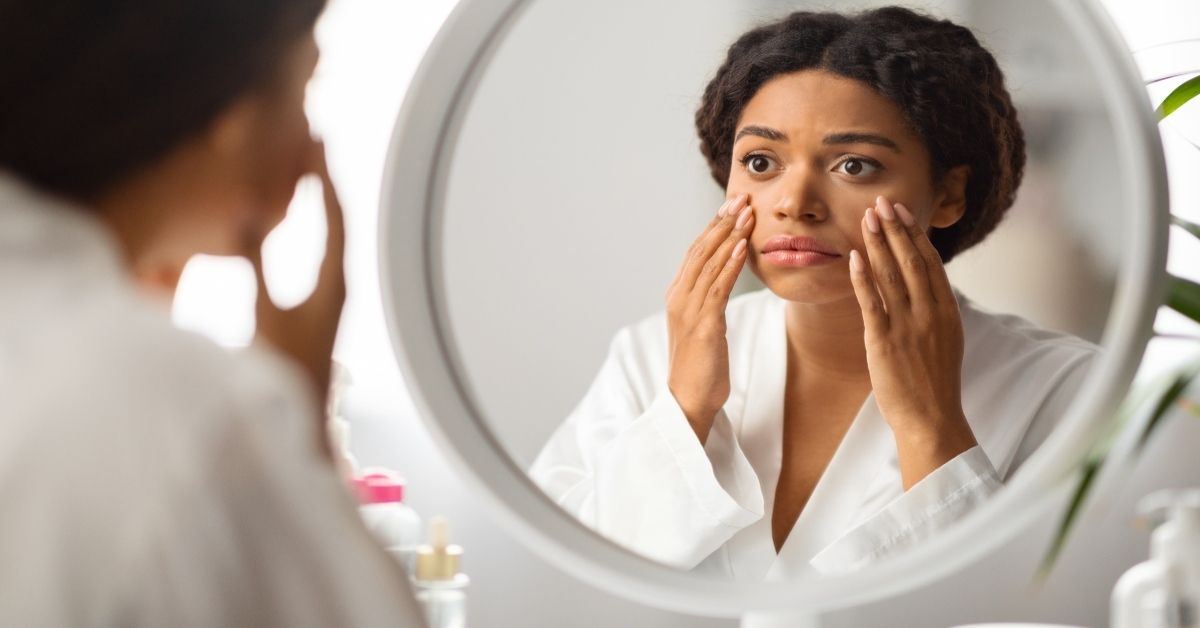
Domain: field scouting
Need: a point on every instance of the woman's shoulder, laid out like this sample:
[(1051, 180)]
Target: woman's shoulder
[(1019, 380), (128, 352), (150, 348), (1002, 339)]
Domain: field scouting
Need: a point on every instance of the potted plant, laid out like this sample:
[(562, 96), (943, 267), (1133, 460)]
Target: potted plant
[(1164, 396)]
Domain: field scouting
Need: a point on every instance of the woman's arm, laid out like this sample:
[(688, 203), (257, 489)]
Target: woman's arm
[(628, 464), (649, 458), (914, 340)]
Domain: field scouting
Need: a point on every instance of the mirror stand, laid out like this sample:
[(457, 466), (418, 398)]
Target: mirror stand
[(801, 619)]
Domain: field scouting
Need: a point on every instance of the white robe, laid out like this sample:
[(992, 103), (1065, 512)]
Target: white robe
[(627, 463), (149, 477)]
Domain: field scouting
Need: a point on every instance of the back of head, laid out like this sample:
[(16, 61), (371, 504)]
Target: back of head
[(94, 90)]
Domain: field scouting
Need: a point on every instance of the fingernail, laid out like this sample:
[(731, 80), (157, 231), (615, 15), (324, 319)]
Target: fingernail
[(735, 205), (906, 216), (739, 248), (743, 217), (856, 264), (884, 208), (872, 221), (724, 206)]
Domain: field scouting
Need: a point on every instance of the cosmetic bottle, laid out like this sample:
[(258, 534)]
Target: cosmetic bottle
[(394, 523), (1164, 592), (437, 582)]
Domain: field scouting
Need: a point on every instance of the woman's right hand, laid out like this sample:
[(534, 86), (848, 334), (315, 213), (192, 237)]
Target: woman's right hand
[(696, 300), (307, 331)]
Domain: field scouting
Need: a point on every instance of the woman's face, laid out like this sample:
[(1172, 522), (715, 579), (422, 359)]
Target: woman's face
[(812, 151), (245, 170), (280, 148)]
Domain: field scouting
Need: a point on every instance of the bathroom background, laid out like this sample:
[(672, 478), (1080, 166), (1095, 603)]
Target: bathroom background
[(370, 49)]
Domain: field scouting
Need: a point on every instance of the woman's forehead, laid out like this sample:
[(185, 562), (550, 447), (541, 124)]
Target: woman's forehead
[(807, 106)]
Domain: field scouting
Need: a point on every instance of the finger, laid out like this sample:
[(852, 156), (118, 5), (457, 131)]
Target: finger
[(263, 305), (910, 262), (708, 275), (743, 224), (251, 248), (887, 277), (700, 238), (708, 243), (717, 296), (939, 281), (332, 273), (875, 318)]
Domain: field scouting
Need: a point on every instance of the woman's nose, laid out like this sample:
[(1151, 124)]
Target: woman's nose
[(801, 199)]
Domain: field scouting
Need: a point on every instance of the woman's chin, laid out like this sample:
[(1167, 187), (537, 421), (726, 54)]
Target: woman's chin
[(809, 290)]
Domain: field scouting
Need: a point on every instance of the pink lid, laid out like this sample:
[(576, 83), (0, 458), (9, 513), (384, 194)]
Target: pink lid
[(377, 485)]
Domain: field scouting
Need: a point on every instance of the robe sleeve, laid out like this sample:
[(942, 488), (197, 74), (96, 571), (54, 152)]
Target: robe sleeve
[(953, 490), (938, 500), (627, 464)]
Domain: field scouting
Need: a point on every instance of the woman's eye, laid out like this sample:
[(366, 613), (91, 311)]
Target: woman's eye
[(855, 167), (759, 164)]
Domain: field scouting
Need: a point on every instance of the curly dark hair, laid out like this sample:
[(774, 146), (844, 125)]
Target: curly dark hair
[(96, 89), (948, 86)]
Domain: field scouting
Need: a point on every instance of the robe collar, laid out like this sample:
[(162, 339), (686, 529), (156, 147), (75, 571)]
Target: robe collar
[(867, 450)]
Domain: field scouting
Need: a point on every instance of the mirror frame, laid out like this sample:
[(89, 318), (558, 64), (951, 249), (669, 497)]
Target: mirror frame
[(410, 226)]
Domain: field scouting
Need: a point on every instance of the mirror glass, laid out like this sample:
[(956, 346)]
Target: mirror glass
[(576, 186)]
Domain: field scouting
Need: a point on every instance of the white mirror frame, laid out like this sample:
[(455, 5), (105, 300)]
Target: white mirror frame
[(410, 228)]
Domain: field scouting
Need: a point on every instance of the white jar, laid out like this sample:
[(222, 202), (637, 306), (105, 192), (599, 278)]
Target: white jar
[(394, 523)]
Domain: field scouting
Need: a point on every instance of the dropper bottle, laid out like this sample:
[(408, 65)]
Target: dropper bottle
[(439, 585)]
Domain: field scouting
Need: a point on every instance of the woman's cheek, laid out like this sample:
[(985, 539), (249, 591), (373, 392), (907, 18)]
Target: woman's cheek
[(734, 188), (739, 181), (854, 235)]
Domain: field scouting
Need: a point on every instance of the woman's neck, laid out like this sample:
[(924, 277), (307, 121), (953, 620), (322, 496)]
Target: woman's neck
[(139, 214), (827, 339)]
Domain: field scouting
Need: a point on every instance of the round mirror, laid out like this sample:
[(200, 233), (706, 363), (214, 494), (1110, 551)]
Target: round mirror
[(547, 180)]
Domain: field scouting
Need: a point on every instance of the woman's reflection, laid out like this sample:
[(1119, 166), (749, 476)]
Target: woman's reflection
[(858, 404)]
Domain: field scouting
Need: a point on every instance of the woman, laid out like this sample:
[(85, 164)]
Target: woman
[(149, 477), (858, 404)]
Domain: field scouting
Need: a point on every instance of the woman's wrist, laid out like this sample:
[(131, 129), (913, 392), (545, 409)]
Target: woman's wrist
[(925, 445), (699, 419)]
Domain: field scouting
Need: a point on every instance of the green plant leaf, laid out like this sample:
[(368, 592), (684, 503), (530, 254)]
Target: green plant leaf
[(1178, 97), (1168, 389), (1091, 469), (1186, 225), (1183, 296), (1183, 379)]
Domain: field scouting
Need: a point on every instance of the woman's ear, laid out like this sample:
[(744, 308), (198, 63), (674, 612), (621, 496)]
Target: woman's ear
[(226, 151), (230, 132), (950, 202)]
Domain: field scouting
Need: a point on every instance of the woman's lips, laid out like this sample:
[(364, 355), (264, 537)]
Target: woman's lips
[(798, 251)]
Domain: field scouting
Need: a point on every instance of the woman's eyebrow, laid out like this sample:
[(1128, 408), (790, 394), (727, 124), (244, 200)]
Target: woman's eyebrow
[(861, 138), (761, 131)]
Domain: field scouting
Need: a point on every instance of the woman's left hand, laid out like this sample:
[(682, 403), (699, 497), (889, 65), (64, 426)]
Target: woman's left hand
[(914, 339)]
